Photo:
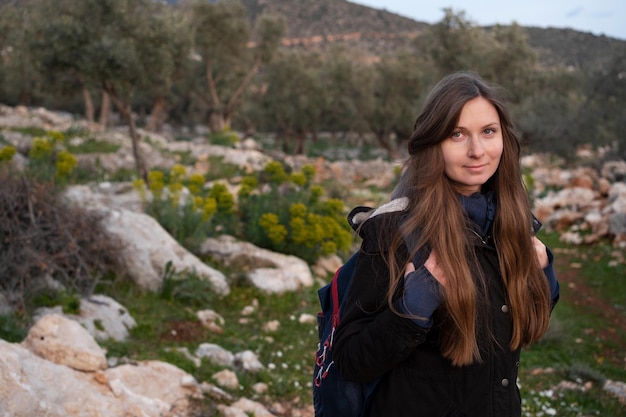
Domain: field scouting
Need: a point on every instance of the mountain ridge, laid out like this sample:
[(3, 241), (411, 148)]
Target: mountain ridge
[(321, 22)]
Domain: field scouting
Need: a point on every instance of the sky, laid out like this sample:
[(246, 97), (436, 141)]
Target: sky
[(600, 17)]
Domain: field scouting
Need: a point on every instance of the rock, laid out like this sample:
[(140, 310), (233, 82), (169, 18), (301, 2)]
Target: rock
[(226, 379), (150, 248), (260, 387), (617, 198), (269, 271), (106, 195), (614, 171), (153, 383), (326, 265), (307, 319), (215, 392), (563, 219), (217, 355), (617, 389), (271, 326), (249, 159), (249, 144), (32, 386), (185, 352), (147, 245), (248, 361), (65, 342), (244, 408), (103, 317), (604, 186), (211, 320), (617, 224)]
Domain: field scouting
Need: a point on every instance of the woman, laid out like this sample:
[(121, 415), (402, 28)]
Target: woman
[(450, 281)]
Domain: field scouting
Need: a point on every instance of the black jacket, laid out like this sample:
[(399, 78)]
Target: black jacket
[(417, 381)]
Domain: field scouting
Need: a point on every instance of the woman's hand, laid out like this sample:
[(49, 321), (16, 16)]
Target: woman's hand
[(422, 291), (542, 253), (432, 264)]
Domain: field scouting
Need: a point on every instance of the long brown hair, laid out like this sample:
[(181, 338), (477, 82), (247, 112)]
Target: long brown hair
[(435, 210)]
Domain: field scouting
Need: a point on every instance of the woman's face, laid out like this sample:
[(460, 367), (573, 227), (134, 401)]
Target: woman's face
[(472, 153)]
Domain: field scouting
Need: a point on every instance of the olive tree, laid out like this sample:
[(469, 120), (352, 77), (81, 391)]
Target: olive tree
[(231, 54), (118, 46), (294, 98), (399, 86), (19, 73), (348, 81)]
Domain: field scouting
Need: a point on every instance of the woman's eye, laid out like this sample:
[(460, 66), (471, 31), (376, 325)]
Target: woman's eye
[(489, 131), (457, 135)]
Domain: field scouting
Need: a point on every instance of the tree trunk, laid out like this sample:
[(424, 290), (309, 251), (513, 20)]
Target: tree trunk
[(216, 121), (383, 140), (105, 110), (127, 114), (298, 149), (25, 97), (286, 140), (89, 110), (157, 115)]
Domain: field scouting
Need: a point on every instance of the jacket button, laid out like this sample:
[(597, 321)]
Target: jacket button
[(505, 308), (517, 364), (505, 382)]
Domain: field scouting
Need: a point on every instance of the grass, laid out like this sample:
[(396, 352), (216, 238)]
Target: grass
[(563, 374), (574, 350), (92, 146), (167, 321)]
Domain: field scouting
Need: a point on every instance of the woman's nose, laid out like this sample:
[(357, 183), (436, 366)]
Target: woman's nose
[(475, 147)]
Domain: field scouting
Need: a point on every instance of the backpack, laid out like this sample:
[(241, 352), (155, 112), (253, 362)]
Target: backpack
[(333, 396)]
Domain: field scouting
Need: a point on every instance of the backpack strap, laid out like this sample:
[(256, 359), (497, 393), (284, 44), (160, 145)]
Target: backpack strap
[(334, 292), (326, 345)]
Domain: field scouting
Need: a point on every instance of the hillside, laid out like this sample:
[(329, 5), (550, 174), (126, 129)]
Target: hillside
[(319, 23), (574, 48), (306, 18)]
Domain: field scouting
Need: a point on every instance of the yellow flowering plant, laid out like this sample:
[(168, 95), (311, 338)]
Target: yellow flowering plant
[(48, 159), (7, 153), (287, 213), (191, 217), (65, 164)]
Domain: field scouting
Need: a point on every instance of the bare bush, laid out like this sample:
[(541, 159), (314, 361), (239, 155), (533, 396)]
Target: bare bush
[(43, 236)]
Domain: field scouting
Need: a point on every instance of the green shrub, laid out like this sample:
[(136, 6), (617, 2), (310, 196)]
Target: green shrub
[(93, 146), (11, 328), (218, 169), (30, 131), (277, 210), (225, 137), (69, 302), (186, 289), (48, 158), (7, 153), (283, 212), (188, 218)]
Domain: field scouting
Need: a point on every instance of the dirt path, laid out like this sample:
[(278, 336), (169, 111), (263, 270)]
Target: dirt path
[(575, 288)]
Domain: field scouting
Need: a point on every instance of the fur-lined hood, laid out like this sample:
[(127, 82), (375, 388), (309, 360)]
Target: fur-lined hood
[(360, 214)]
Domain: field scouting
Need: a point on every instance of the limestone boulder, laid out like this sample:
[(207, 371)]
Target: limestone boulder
[(150, 248), (65, 342), (33, 386), (103, 317), (269, 271)]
